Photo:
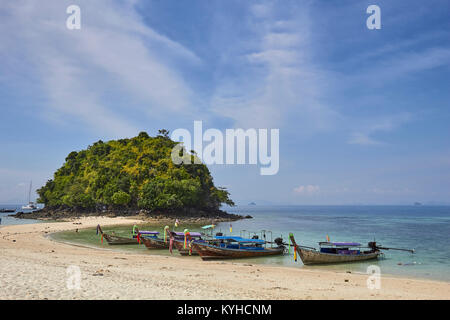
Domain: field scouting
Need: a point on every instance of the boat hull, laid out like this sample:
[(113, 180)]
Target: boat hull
[(210, 252), (28, 208), (155, 243), (310, 257), (184, 252), (116, 240)]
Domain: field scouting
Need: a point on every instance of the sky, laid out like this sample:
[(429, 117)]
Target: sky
[(363, 114)]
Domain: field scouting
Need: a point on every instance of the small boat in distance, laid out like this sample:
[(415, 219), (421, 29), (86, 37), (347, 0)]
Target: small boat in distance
[(338, 252), (30, 205), (7, 210)]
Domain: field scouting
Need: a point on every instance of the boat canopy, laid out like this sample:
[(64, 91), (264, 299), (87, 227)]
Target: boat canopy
[(340, 244), (209, 226), (148, 232), (240, 239), (192, 234)]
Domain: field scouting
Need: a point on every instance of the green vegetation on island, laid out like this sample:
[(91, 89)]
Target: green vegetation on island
[(136, 173)]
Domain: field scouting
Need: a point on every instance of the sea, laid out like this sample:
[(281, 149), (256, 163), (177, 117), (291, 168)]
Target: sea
[(5, 218), (426, 229)]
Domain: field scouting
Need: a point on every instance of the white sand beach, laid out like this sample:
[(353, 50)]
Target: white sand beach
[(32, 266)]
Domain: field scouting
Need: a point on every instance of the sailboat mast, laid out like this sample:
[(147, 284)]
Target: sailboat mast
[(29, 192)]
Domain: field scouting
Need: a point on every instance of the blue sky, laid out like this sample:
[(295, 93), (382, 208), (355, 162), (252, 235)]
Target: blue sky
[(363, 114)]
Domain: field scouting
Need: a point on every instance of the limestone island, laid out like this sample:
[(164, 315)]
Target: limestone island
[(130, 177)]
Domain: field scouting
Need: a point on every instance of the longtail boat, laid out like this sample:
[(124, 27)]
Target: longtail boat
[(137, 236), (233, 247), (154, 242), (115, 240), (208, 230), (184, 248), (338, 252)]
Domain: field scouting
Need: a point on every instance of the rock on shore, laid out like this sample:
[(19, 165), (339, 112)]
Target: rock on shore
[(189, 213)]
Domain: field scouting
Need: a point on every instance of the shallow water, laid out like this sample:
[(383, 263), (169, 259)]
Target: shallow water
[(89, 237), (423, 228)]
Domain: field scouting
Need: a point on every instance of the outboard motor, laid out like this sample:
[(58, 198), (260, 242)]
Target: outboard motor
[(219, 234), (279, 242), (255, 237), (372, 245)]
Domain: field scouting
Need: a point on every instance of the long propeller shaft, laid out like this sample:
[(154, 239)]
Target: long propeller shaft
[(399, 249)]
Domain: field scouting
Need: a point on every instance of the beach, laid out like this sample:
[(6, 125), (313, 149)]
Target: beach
[(32, 266)]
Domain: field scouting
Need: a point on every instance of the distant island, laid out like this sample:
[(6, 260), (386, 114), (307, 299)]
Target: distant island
[(252, 204), (132, 176)]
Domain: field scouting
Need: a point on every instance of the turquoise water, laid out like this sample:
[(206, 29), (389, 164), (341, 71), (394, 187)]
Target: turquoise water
[(423, 228)]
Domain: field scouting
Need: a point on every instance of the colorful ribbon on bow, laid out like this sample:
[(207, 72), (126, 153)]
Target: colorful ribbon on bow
[(166, 230), (101, 239), (138, 238), (186, 232), (295, 253)]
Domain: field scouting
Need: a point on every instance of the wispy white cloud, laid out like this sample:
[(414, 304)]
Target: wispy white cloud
[(398, 48), (365, 133), (392, 63), (278, 80), (363, 139), (260, 10), (14, 184), (82, 73), (307, 190), (404, 64)]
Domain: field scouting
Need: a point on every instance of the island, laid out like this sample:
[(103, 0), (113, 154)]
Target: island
[(132, 176)]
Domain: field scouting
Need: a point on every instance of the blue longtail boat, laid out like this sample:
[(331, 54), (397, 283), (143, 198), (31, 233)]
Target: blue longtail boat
[(234, 247)]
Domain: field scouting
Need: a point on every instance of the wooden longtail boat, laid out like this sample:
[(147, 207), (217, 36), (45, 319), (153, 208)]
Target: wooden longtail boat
[(228, 247), (177, 238), (155, 243), (137, 236), (184, 252), (338, 252), (115, 240)]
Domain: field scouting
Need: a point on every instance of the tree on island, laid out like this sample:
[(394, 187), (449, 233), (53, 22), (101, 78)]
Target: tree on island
[(164, 133), (135, 173)]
